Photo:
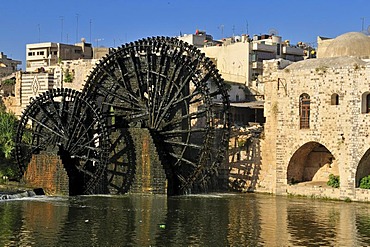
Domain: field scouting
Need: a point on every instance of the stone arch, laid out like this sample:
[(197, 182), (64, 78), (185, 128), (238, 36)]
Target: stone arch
[(363, 168), (311, 162), (365, 102)]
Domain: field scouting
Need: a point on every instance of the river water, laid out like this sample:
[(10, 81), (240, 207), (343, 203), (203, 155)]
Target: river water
[(195, 220)]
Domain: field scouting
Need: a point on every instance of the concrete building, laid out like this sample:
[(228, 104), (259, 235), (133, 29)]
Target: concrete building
[(317, 118), (51, 65), (239, 59), (45, 55), (7, 65), (199, 39)]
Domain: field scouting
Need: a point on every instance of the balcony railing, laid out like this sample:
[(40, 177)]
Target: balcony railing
[(263, 47), (293, 50)]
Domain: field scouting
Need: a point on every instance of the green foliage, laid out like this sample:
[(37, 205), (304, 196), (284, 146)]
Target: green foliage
[(2, 105), (8, 124), (8, 82), (347, 199), (68, 77), (333, 181), (365, 182), (241, 143)]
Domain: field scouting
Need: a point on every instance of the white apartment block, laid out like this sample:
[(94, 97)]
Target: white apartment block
[(240, 58), (41, 56)]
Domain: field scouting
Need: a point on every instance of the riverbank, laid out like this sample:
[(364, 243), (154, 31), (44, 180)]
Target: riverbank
[(9, 190), (12, 187)]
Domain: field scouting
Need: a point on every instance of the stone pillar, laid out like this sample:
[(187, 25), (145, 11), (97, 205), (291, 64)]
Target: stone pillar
[(150, 177), (46, 171)]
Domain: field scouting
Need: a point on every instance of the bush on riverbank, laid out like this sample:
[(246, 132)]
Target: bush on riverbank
[(8, 126), (365, 182), (333, 181), (8, 170)]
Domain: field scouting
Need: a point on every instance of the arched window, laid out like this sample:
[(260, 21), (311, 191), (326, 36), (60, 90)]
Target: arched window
[(334, 99), (365, 104), (304, 111)]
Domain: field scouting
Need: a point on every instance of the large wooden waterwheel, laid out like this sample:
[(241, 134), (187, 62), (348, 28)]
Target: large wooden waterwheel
[(171, 89)]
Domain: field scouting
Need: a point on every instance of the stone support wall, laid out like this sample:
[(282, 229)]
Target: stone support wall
[(150, 177), (46, 171)]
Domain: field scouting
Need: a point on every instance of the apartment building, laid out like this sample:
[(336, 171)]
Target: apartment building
[(240, 58), (40, 56), (49, 65)]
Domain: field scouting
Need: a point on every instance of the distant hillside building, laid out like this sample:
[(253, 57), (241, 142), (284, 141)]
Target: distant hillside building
[(7, 65)]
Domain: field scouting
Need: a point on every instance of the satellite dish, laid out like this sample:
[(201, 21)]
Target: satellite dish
[(273, 32)]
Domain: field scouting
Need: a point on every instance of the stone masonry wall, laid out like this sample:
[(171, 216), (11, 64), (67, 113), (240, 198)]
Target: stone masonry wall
[(343, 129), (46, 171), (150, 177)]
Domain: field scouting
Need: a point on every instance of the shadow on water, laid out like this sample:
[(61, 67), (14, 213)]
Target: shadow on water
[(196, 220)]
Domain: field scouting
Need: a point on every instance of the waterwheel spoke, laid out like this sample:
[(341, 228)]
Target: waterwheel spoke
[(139, 77), (119, 154), (169, 92), (55, 123), (125, 79), (82, 135), (85, 147), (55, 110), (193, 115), (181, 158), (117, 96), (182, 144), (170, 103), (183, 131), (46, 127), (122, 107)]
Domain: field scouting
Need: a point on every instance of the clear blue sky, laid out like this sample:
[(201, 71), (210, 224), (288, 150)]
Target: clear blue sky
[(114, 22)]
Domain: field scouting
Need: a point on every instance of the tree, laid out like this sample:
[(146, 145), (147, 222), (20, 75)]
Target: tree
[(8, 123)]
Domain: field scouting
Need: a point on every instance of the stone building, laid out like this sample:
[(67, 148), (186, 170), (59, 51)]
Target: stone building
[(7, 65), (317, 121)]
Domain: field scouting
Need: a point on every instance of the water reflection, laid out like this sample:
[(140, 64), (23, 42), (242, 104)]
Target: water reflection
[(203, 220)]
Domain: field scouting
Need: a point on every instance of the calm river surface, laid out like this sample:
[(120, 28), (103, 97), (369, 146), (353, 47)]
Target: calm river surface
[(196, 220)]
